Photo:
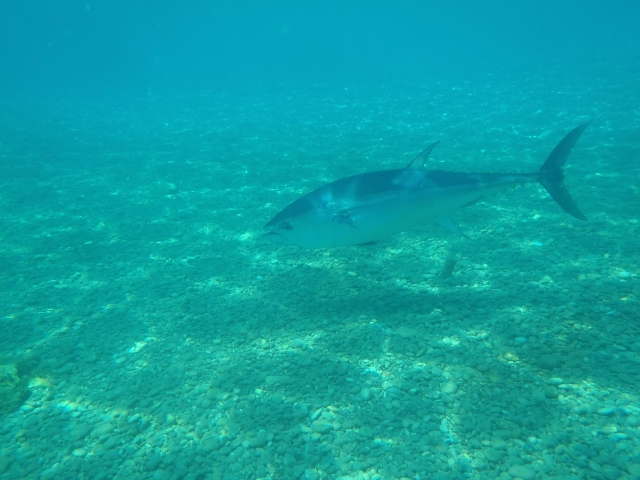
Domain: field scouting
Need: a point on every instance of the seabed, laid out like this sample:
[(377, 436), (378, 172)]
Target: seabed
[(160, 338)]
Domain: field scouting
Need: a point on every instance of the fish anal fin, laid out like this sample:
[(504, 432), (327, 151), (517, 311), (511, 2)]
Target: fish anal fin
[(446, 223)]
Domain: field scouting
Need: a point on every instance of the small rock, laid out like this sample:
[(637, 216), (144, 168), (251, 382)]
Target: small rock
[(521, 340), (5, 462), (102, 429), (634, 469), (522, 472), (498, 443), (550, 361), (633, 421), (13, 389), (154, 462), (259, 441), (289, 460), (436, 371), (161, 474), (210, 444), (310, 474), (275, 379), (406, 332), (609, 428), (607, 411), (134, 418), (538, 396), (580, 410), (321, 427), (449, 388), (405, 386), (79, 452), (595, 466), (365, 393)]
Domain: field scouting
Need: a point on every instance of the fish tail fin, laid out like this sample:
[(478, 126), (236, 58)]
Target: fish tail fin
[(552, 172)]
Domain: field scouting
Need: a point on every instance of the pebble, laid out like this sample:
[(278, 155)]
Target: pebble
[(365, 393), (498, 443), (523, 472), (521, 340), (595, 466), (79, 452), (450, 388), (277, 379), (609, 428), (102, 429), (550, 361), (406, 332), (161, 475), (321, 427), (154, 462), (134, 418), (607, 411), (259, 441), (633, 421)]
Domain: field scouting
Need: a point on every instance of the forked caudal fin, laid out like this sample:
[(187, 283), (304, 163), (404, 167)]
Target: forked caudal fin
[(552, 172)]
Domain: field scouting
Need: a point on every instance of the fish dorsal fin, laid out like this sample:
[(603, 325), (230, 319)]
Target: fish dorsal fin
[(418, 162)]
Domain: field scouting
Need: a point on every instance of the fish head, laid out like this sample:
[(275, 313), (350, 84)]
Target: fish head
[(304, 223)]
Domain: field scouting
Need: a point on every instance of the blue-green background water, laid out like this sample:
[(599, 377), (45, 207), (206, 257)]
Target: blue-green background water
[(147, 332)]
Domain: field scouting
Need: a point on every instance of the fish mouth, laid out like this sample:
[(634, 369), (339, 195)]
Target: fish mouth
[(271, 235), (274, 237)]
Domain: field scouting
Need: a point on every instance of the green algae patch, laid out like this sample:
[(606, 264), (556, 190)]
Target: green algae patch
[(13, 390)]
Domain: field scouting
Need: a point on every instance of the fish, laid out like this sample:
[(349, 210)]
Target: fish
[(372, 206)]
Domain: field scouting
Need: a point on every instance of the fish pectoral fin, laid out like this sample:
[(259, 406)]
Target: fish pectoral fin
[(343, 218), (446, 222)]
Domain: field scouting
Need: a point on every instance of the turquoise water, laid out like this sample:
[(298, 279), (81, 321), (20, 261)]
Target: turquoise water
[(148, 331), (154, 335)]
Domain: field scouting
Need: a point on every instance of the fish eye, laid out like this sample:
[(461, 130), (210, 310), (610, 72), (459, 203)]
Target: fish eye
[(286, 226)]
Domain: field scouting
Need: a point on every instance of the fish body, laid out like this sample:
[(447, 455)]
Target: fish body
[(371, 206)]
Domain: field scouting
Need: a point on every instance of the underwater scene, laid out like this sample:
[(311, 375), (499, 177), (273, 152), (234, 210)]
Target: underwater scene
[(149, 328)]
